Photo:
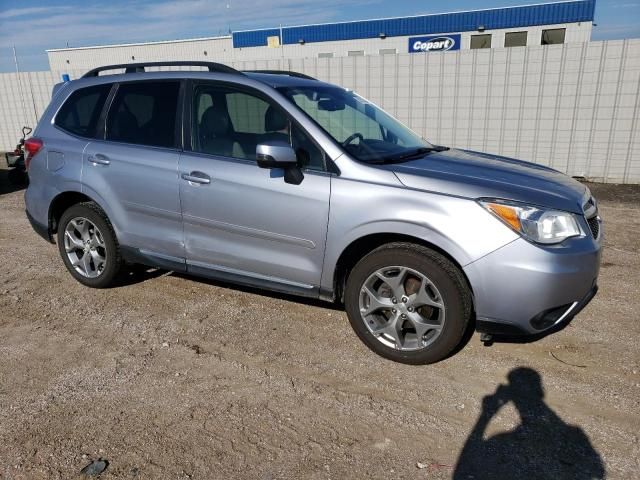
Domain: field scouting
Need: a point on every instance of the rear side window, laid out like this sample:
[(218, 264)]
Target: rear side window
[(144, 113), (80, 113)]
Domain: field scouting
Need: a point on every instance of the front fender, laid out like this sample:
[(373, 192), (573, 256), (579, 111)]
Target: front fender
[(458, 226)]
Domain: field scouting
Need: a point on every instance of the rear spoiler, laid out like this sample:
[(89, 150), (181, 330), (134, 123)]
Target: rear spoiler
[(56, 89)]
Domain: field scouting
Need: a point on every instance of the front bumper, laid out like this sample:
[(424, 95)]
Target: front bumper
[(524, 289), (565, 316)]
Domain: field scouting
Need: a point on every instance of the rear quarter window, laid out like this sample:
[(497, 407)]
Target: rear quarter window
[(80, 113)]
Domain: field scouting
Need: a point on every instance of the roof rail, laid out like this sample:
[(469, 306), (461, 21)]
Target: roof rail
[(139, 67), (282, 72)]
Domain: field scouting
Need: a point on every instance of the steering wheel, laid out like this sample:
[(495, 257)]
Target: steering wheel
[(351, 138)]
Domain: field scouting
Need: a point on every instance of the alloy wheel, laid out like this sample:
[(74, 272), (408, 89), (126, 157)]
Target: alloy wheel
[(85, 247), (402, 308)]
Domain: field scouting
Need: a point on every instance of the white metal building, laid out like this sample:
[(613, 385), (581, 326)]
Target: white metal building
[(542, 24)]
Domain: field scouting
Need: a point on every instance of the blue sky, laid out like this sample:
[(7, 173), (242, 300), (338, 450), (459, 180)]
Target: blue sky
[(34, 26)]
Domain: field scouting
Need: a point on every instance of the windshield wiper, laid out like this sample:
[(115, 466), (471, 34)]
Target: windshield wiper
[(414, 154)]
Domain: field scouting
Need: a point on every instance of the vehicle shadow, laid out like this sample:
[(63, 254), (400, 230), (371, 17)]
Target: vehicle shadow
[(6, 185), (137, 273), (265, 293), (543, 446), (133, 274), (531, 338)]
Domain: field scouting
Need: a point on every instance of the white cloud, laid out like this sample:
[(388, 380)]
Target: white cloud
[(169, 19), (43, 28), (27, 11)]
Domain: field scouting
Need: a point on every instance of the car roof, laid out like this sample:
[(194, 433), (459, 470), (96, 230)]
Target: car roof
[(139, 71), (273, 79), (284, 80)]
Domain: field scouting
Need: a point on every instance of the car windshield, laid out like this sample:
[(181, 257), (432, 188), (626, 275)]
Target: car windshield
[(363, 129)]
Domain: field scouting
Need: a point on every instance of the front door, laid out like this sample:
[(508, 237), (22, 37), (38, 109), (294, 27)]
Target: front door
[(243, 222)]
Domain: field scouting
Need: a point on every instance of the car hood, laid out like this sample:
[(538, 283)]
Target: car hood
[(476, 175)]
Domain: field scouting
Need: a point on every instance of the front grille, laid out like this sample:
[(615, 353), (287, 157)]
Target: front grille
[(594, 225)]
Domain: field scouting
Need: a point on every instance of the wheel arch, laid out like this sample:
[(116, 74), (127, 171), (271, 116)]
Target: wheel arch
[(362, 246), (62, 202)]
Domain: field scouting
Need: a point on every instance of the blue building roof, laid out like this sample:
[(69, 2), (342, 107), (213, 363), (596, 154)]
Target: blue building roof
[(509, 17)]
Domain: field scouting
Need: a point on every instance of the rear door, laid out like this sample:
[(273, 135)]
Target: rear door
[(76, 123), (134, 167), (243, 222)]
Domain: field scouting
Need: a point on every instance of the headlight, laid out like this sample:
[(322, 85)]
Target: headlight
[(536, 224)]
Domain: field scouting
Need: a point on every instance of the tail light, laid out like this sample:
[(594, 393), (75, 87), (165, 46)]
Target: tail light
[(32, 147)]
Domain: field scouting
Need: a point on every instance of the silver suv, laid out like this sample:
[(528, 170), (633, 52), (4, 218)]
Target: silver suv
[(279, 181)]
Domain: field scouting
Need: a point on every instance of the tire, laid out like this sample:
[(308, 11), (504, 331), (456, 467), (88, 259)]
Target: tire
[(103, 246), (437, 312)]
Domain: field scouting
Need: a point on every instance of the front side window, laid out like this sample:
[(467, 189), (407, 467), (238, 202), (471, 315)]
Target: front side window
[(80, 113), (363, 129), (144, 113), (553, 36), (231, 123), (247, 113)]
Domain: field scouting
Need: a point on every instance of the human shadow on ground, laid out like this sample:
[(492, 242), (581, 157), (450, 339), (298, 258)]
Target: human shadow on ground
[(543, 446)]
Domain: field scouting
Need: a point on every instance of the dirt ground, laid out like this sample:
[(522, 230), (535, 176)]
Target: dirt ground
[(174, 377)]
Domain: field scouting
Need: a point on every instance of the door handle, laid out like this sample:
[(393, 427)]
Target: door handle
[(197, 177), (99, 159)]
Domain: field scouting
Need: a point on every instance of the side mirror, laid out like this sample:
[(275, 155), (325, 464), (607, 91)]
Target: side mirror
[(276, 154), (279, 154)]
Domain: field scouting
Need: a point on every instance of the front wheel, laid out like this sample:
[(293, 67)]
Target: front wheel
[(408, 303), (88, 245)]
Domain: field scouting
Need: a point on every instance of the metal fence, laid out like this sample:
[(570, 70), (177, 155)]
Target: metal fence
[(574, 107)]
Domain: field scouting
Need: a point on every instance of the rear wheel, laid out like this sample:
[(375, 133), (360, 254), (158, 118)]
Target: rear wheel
[(408, 303), (88, 245)]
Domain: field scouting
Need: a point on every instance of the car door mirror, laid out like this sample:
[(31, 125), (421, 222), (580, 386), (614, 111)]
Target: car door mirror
[(279, 154), (276, 154)]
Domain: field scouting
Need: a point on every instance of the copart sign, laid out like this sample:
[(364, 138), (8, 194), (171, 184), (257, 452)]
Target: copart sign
[(439, 43)]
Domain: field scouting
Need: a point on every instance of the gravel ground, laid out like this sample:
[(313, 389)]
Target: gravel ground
[(174, 377)]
